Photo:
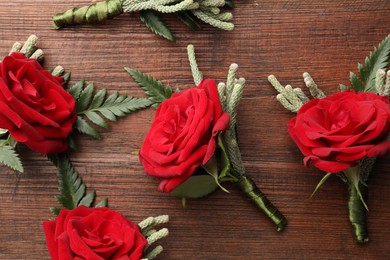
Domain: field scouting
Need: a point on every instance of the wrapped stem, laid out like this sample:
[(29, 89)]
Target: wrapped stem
[(97, 12), (357, 210), (261, 202)]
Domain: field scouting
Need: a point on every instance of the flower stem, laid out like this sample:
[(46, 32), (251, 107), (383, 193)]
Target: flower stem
[(357, 211), (261, 202), (97, 12)]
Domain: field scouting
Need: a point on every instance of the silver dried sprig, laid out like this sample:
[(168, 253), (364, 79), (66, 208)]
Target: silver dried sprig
[(152, 235), (382, 82), (206, 10), (29, 48), (294, 98), (230, 94)]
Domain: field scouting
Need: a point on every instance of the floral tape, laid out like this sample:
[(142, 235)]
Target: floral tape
[(93, 13), (260, 200), (357, 211)]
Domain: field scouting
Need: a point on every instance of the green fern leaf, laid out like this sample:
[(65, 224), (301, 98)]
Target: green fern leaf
[(188, 19), (103, 203), (66, 76), (355, 82), (98, 99), (76, 89), (153, 88), (230, 3), (96, 119), (378, 59), (88, 199), (84, 127), (343, 87), (113, 107), (10, 158), (85, 98), (55, 210), (153, 21), (97, 107), (71, 185)]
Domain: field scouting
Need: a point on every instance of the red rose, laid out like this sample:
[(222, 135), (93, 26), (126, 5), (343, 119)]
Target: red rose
[(337, 131), (34, 107), (93, 234), (182, 135)]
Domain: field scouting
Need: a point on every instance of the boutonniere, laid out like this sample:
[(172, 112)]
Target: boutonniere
[(81, 231), (192, 144), (208, 11), (37, 111), (342, 134)]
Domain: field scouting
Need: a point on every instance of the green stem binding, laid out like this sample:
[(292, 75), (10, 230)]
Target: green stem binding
[(261, 202), (357, 211), (96, 12)]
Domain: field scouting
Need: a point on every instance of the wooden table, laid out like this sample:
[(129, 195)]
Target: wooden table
[(286, 38)]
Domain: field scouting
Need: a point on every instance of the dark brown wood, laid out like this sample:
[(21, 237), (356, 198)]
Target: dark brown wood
[(286, 38)]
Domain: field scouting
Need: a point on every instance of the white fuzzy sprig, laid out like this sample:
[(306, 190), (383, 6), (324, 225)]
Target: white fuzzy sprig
[(294, 98), (152, 235)]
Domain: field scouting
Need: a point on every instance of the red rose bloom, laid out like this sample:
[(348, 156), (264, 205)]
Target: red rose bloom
[(34, 107), (182, 135), (93, 234), (337, 131)]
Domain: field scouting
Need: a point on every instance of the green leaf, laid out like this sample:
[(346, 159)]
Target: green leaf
[(378, 59), (188, 19), (98, 99), (355, 82), (55, 210), (85, 98), (230, 3), (211, 167), (96, 119), (71, 143), (224, 158), (152, 87), (113, 107), (88, 199), (97, 107), (11, 141), (84, 127), (10, 158), (322, 181), (102, 204), (71, 185), (353, 176), (343, 87), (153, 21), (76, 89), (196, 187), (66, 77)]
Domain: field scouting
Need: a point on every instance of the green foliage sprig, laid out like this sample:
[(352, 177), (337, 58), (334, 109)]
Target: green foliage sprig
[(71, 186), (208, 11), (377, 60), (152, 87), (9, 157), (99, 106)]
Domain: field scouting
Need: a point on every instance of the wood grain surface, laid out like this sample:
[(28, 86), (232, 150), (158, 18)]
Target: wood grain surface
[(286, 38)]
